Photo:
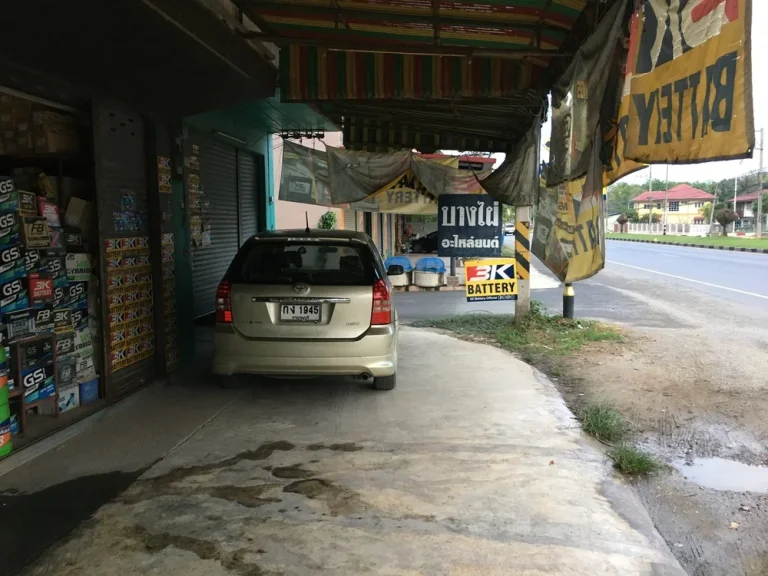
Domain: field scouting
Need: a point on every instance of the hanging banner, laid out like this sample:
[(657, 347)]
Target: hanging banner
[(577, 100), (468, 226), (569, 235), (691, 87), (304, 176), (406, 194)]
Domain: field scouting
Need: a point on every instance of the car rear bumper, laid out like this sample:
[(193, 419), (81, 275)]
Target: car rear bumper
[(374, 353)]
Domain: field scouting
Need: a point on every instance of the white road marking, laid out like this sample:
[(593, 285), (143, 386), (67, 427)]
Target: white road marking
[(691, 280)]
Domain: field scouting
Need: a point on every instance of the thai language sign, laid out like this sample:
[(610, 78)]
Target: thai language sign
[(468, 226), (492, 279), (691, 90)]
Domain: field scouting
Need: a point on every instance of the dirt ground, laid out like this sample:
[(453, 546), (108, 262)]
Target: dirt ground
[(691, 393)]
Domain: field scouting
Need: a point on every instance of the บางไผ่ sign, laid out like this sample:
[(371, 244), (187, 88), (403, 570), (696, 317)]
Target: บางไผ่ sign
[(468, 226), (691, 87), (491, 279)]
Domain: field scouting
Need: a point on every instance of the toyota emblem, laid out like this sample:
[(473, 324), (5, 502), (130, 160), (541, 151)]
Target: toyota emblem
[(301, 288)]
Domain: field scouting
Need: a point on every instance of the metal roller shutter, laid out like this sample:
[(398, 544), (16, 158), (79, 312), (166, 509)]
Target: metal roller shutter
[(247, 190), (218, 179), (120, 156), (350, 220)]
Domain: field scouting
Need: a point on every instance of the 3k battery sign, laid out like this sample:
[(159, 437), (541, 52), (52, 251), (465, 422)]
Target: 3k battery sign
[(488, 280)]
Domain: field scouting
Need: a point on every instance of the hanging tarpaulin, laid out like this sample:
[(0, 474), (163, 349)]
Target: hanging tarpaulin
[(354, 176), (408, 195), (512, 182), (691, 89), (569, 236), (577, 100), (304, 176)]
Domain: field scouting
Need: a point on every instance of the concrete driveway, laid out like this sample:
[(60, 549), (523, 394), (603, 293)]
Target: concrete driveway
[(471, 466)]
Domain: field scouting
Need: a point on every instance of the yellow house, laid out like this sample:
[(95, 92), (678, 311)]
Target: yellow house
[(684, 204)]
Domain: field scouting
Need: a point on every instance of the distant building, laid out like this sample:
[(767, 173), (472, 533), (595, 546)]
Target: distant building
[(744, 208), (684, 204)]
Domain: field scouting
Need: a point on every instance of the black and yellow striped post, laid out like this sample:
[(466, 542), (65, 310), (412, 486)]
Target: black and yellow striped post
[(523, 250), (569, 301), (523, 261)]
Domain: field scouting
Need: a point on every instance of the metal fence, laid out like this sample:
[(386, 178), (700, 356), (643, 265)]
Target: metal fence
[(672, 229)]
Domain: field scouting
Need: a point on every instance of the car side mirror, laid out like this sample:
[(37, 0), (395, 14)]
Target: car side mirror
[(395, 270)]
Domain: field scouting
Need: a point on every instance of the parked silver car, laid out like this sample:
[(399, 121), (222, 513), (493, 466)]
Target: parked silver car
[(307, 302)]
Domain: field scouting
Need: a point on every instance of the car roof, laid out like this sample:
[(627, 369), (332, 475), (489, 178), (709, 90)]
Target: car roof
[(311, 233)]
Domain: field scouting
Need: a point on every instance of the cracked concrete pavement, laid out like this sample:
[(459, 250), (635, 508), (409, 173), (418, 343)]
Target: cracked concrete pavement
[(473, 465)]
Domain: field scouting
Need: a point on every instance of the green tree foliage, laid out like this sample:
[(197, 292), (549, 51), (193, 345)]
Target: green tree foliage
[(706, 211), (327, 221), (724, 216)]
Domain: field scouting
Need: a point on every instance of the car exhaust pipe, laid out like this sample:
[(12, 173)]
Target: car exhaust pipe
[(366, 377)]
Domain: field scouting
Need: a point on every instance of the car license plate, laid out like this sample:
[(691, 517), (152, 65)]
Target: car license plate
[(300, 313)]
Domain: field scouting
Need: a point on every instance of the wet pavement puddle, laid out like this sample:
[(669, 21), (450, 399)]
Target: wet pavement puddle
[(722, 474)]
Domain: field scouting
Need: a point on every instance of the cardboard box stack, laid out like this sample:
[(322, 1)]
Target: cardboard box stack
[(45, 272), (25, 131)]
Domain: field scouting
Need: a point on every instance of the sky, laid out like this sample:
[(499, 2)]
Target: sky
[(716, 170)]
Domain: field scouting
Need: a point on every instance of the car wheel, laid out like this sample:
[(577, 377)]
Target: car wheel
[(385, 382)]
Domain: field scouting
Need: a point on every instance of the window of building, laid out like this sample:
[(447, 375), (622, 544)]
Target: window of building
[(698, 204), (674, 206), (646, 206), (658, 205), (698, 220)]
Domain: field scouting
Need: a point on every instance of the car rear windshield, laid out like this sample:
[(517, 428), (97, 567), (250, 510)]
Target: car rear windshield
[(288, 262)]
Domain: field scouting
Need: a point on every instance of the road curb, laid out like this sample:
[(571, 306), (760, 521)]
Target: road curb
[(728, 248)]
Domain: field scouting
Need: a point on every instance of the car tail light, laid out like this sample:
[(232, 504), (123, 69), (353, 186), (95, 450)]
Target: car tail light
[(224, 302), (382, 304)]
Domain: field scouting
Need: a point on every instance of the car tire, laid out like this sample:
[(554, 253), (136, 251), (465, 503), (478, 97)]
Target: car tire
[(385, 382)]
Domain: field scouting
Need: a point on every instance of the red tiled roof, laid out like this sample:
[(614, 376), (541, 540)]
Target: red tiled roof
[(679, 192), (751, 197)]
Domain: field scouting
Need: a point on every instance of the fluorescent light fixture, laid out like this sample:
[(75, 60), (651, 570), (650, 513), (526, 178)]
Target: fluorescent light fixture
[(230, 137)]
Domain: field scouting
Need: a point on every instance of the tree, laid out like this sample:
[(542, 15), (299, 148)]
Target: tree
[(706, 211), (725, 216), (620, 196), (327, 221), (632, 215)]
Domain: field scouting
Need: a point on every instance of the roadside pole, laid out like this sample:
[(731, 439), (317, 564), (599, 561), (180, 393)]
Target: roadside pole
[(664, 214), (523, 261), (569, 301), (759, 226), (735, 191)]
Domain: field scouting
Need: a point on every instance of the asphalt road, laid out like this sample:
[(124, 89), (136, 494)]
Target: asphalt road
[(735, 276), (641, 285)]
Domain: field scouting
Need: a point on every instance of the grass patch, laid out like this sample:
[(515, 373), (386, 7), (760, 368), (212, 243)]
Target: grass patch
[(728, 242), (538, 339), (632, 461), (604, 423)]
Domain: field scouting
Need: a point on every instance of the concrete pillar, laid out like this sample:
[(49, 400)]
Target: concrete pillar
[(523, 261)]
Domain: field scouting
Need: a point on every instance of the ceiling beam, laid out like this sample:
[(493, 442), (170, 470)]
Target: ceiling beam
[(464, 20), (360, 45)]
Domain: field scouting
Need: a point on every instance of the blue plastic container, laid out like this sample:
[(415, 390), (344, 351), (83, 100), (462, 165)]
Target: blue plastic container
[(89, 391), (435, 265)]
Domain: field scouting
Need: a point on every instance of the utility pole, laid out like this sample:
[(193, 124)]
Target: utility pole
[(759, 227), (650, 198), (735, 193), (666, 190)]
